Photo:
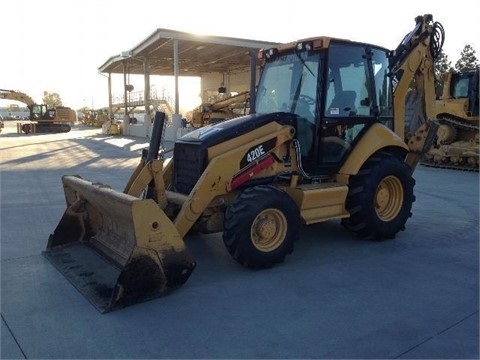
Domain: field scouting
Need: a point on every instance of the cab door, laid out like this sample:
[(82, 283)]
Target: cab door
[(355, 91)]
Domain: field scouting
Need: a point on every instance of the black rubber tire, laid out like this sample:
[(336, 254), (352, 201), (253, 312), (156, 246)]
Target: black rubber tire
[(380, 198), (261, 226)]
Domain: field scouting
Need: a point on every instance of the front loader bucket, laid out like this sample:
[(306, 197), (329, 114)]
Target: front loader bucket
[(116, 249)]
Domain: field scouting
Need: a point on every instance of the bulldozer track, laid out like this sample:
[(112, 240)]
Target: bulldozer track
[(459, 123), (469, 126)]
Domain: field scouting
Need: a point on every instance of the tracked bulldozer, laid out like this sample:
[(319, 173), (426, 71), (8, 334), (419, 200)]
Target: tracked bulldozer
[(325, 141), (457, 142)]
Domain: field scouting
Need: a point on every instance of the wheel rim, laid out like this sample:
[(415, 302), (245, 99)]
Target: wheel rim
[(268, 230), (389, 198)]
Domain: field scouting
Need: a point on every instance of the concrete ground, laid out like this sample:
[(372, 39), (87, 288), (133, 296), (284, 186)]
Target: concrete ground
[(335, 297)]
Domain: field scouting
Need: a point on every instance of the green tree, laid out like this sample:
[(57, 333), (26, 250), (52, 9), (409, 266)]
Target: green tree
[(51, 99), (441, 66), (468, 60)]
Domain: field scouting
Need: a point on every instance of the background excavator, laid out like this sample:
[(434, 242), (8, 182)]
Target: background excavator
[(457, 143), (48, 120), (324, 141)]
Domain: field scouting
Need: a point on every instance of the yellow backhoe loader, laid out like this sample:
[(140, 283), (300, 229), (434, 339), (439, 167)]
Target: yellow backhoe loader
[(325, 140)]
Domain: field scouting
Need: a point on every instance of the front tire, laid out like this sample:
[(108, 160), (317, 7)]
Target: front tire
[(261, 226), (380, 198)]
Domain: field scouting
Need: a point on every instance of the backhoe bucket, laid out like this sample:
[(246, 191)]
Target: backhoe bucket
[(116, 249)]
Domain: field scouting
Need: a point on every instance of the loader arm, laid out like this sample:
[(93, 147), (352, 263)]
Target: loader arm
[(148, 176), (223, 170), (143, 176)]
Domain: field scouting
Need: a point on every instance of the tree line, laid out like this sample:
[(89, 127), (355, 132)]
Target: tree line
[(466, 62)]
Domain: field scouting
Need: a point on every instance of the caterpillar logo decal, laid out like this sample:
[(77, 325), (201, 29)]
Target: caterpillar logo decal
[(257, 151)]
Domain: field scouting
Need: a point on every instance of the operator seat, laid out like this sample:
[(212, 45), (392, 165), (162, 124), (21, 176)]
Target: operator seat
[(343, 104)]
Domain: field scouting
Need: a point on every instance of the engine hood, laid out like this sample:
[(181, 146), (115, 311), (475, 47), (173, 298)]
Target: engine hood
[(214, 134)]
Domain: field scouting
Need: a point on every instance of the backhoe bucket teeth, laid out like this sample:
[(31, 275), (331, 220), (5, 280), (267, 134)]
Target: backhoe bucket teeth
[(116, 249)]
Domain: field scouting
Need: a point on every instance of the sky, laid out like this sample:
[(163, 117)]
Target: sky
[(58, 46)]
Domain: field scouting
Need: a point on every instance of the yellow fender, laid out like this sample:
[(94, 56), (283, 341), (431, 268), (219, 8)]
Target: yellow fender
[(377, 137)]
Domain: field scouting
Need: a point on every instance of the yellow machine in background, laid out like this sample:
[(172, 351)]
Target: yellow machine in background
[(223, 109), (457, 143), (47, 120), (101, 118), (322, 143), (89, 117), (95, 118)]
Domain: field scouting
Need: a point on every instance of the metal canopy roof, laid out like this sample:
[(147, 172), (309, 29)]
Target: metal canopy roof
[(197, 54)]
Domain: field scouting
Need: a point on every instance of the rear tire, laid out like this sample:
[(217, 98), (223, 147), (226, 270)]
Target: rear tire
[(380, 198), (261, 226)]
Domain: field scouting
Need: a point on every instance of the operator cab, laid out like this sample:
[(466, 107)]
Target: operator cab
[(336, 88), (465, 86), (40, 112)]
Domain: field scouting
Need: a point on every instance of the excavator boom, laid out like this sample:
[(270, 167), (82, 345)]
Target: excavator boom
[(17, 96)]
